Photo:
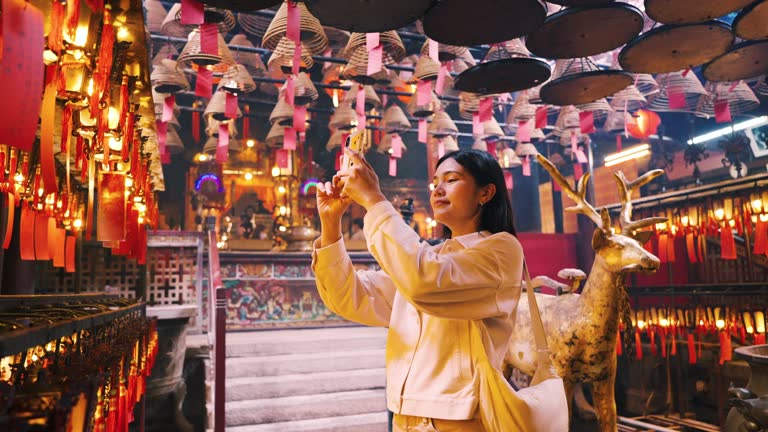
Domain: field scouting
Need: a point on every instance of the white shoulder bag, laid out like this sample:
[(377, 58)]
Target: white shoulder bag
[(542, 407)]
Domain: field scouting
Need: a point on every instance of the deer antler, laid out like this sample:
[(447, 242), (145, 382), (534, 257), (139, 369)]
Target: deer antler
[(625, 193), (578, 196)]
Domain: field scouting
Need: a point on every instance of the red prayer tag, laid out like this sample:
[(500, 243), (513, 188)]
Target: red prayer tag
[(191, 12), (110, 224)]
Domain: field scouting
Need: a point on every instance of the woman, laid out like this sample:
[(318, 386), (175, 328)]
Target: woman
[(428, 296)]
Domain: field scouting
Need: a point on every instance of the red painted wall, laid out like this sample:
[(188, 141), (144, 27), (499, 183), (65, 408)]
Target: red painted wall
[(547, 254)]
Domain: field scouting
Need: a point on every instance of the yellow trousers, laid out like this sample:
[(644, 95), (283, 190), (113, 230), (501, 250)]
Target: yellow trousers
[(405, 423)]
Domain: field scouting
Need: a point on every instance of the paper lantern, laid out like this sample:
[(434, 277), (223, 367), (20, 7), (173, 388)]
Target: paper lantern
[(644, 124)]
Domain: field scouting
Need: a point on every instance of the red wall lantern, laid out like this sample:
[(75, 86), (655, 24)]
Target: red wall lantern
[(643, 124)]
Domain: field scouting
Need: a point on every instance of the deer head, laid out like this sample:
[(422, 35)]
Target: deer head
[(620, 252)]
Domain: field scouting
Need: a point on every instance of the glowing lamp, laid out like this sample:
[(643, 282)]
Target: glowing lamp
[(643, 124)]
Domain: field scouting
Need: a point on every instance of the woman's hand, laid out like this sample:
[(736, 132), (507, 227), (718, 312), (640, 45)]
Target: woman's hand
[(359, 182), (330, 204)]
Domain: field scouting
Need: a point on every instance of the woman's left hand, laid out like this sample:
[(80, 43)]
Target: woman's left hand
[(359, 182)]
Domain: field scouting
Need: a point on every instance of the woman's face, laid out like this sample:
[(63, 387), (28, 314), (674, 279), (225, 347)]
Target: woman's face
[(456, 198)]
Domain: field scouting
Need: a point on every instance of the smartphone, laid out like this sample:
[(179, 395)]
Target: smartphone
[(356, 142)]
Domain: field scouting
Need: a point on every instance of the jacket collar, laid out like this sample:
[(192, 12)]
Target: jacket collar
[(469, 240)]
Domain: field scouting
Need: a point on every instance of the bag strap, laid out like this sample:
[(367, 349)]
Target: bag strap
[(537, 325)]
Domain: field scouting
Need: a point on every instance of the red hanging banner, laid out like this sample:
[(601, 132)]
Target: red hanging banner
[(541, 117), (110, 225), (10, 214), (69, 254), (192, 12), (690, 247), (691, 349), (21, 72), (586, 122), (230, 109), (204, 83), (722, 111), (41, 238), (209, 39)]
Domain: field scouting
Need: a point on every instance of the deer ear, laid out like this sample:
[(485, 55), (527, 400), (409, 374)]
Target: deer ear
[(642, 236), (599, 239)]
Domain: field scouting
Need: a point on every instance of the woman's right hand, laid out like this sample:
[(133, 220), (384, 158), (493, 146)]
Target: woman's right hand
[(330, 205)]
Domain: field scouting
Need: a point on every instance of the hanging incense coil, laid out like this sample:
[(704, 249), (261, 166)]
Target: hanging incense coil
[(469, 103), (426, 69), (741, 99), (282, 113), (508, 159), (506, 67), (616, 121), (212, 143), (166, 51), (491, 130), (312, 33), (344, 117), (172, 26), (255, 25), (251, 60), (449, 142), (567, 122), (394, 50), (394, 120), (304, 89), (371, 98), (217, 106), (212, 127), (445, 52), (442, 125), (522, 109), (282, 56), (166, 78), (173, 143), (689, 85), (275, 135), (525, 149), (629, 99), (750, 23), (191, 55), (761, 87), (335, 140), (238, 79), (422, 111), (599, 108), (579, 81), (385, 145), (337, 39), (155, 14)]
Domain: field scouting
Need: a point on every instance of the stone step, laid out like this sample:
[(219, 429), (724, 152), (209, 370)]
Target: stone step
[(277, 342), (246, 388), (305, 363), (371, 422), (304, 407)]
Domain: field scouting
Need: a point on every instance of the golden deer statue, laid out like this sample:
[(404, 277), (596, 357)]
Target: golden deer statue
[(582, 330)]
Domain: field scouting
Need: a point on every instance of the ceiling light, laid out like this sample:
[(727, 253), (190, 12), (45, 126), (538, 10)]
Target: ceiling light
[(747, 124)]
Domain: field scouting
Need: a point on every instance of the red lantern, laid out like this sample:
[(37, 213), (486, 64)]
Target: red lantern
[(643, 124)]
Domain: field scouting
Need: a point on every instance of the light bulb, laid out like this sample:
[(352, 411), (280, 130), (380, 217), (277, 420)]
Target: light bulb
[(202, 157), (248, 176), (78, 223), (250, 143), (720, 214), (281, 189)]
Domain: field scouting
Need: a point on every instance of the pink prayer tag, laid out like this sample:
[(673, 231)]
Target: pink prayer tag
[(296, 64), (292, 31), (300, 118), (440, 148), (722, 111), (290, 90), (361, 121), (618, 142), (21, 72), (423, 131), (222, 149), (397, 146), (209, 39), (191, 12), (523, 131), (360, 102), (375, 60), (230, 109), (586, 122), (508, 180), (486, 109), (168, 104), (289, 139), (676, 99), (392, 166), (526, 167), (203, 84), (477, 126), (433, 51), (371, 41), (441, 74), (580, 156), (423, 93), (162, 135), (281, 158), (541, 117)]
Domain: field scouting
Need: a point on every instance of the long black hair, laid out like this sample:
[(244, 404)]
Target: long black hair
[(496, 214)]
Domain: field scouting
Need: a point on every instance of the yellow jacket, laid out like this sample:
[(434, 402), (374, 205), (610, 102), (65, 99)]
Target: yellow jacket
[(427, 296)]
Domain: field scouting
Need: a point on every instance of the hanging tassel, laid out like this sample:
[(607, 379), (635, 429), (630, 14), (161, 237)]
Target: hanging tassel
[(663, 248), (690, 247), (56, 33), (673, 350), (73, 18), (691, 349), (618, 142), (761, 237), (638, 346), (246, 123), (128, 137), (104, 65), (196, 123), (652, 334), (66, 125), (671, 248), (727, 243), (619, 349), (663, 340)]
